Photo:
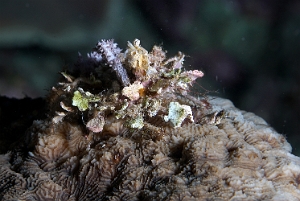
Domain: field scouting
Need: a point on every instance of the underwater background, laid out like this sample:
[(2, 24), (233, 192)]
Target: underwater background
[(248, 50)]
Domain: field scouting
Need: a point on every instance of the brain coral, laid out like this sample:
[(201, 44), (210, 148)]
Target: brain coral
[(133, 132)]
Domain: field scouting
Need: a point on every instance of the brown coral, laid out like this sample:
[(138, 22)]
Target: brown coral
[(129, 150)]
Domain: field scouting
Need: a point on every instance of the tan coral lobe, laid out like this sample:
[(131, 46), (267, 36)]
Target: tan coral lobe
[(147, 140)]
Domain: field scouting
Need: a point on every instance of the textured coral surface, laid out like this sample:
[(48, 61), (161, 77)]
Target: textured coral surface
[(122, 126)]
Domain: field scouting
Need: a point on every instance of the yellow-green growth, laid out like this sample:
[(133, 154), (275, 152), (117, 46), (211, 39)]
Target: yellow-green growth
[(79, 101), (82, 99)]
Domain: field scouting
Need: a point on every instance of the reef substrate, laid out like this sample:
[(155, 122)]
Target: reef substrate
[(123, 126)]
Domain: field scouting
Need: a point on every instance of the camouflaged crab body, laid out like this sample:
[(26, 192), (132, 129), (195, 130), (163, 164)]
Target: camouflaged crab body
[(155, 79)]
